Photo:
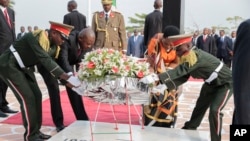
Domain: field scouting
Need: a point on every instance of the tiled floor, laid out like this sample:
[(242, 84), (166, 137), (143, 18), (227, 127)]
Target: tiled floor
[(186, 103)]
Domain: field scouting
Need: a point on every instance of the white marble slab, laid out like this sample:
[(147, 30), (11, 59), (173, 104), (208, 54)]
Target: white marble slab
[(80, 131)]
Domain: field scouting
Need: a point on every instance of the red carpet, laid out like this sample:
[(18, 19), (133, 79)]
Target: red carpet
[(105, 114)]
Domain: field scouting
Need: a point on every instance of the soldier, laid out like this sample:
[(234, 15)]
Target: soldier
[(16, 65), (109, 28)]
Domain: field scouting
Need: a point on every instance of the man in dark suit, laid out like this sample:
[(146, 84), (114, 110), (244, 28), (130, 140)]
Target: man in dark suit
[(22, 33), (153, 22), (74, 18), (206, 43), (7, 37), (135, 45), (224, 48), (71, 53)]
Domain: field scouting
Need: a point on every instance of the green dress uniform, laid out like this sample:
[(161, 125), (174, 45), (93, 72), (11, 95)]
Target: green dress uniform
[(214, 93), (22, 81), (110, 33)]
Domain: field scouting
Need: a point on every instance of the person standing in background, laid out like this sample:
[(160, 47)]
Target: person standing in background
[(135, 45), (7, 37), (207, 43), (195, 37), (109, 28), (35, 28), (225, 48), (153, 22), (22, 33), (241, 75), (74, 18), (233, 37), (29, 29)]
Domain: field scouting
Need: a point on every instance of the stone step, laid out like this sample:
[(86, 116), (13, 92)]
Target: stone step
[(81, 131)]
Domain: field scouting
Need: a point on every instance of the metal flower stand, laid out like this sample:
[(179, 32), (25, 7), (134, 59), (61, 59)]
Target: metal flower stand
[(116, 91)]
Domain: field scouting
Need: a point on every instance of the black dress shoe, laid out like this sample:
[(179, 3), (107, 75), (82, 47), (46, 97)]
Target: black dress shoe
[(8, 110), (60, 128), (44, 136), (2, 114)]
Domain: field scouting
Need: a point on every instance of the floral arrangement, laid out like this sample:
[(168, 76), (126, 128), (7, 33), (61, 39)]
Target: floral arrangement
[(101, 62)]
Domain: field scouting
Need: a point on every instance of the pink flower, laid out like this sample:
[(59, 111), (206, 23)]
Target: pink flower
[(140, 74), (127, 68), (111, 51), (91, 65), (115, 69)]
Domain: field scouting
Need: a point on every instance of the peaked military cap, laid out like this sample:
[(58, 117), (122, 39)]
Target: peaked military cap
[(64, 29), (107, 1)]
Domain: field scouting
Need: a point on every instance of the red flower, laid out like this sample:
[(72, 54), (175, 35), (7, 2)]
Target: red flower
[(140, 74), (91, 65)]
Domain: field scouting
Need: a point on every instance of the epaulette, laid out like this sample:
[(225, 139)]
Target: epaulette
[(189, 58)]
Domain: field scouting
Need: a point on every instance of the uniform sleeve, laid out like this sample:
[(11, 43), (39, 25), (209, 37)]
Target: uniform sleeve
[(179, 75), (44, 58), (93, 23), (122, 32)]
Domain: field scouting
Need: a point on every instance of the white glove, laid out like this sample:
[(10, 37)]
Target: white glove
[(213, 76), (159, 88), (149, 78), (79, 90), (74, 81)]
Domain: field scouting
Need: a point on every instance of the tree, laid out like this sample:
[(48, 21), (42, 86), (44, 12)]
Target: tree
[(137, 22), (235, 21), (11, 4)]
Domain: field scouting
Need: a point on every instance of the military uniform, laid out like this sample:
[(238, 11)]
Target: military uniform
[(214, 93), (16, 64), (111, 34), (53, 88)]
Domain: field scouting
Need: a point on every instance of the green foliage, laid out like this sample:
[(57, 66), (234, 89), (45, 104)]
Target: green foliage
[(235, 21), (11, 3), (136, 22)]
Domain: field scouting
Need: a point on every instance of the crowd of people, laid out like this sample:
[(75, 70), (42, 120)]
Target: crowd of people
[(173, 58)]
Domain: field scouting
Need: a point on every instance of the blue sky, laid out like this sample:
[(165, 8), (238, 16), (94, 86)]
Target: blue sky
[(205, 13)]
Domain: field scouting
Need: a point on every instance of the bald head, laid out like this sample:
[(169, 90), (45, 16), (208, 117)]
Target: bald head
[(158, 4), (72, 5), (86, 38)]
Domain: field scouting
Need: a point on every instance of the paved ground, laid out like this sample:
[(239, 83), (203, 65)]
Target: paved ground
[(186, 103)]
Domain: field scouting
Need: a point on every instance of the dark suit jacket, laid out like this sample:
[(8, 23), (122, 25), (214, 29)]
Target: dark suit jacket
[(70, 53), (224, 47), (19, 35), (208, 45), (7, 34), (153, 25), (136, 48), (75, 19)]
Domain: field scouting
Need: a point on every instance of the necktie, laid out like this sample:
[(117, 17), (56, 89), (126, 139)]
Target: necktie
[(7, 17), (106, 17), (204, 38)]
